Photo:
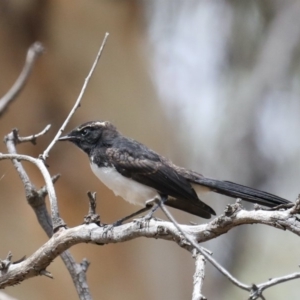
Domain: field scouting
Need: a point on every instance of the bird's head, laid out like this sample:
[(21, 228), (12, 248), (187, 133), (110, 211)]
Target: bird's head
[(91, 134)]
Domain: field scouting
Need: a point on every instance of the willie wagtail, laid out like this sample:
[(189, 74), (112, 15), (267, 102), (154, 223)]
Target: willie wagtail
[(138, 174)]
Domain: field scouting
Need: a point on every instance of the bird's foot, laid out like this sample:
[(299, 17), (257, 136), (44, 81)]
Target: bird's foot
[(118, 223), (155, 204), (142, 221), (149, 215), (146, 219), (107, 228), (110, 227)]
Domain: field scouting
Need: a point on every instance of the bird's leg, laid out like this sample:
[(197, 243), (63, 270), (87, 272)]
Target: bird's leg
[(120, 222), (153, 203), (162, 200), (149, 205)]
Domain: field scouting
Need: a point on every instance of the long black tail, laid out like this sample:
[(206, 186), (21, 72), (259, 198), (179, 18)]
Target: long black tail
[(236, 190)]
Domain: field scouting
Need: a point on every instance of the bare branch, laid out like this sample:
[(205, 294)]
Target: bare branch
[(85, 265), (257, 290), (56, 220), (36, 199), (46, 273), (92, 216), (45, 155), (208, 257), (185, 236), (43, 191), (5, 263), (78, 275), (31, 138), (91, 233), (235, 210), (199, 277), (10, 140), (65, 238), (33, 53), (296, 208)]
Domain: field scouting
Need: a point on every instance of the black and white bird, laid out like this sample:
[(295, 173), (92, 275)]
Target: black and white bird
[(139, 175)]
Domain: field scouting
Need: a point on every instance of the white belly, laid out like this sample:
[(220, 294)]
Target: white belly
[(128, 189)]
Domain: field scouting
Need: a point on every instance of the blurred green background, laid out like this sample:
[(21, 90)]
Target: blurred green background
[(213, 85)]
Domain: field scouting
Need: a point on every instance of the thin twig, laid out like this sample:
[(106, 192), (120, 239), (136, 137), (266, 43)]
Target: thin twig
[(92, 216), (296, 208), (45, 155), (5, 263), (46, 273), (259, 288), (31, 138), (42, 192), (33, 53)]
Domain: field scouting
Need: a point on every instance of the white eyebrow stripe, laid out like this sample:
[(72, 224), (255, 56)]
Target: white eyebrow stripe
[(100, 123), (91, 124)]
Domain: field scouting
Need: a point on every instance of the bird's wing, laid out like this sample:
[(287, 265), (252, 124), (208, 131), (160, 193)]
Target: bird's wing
[(151, 172), (150, 169)]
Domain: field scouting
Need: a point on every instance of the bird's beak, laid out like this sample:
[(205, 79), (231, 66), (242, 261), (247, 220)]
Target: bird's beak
[(66, 138)]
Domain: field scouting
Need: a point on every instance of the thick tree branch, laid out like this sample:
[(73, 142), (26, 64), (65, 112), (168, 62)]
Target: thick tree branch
[(91, 233)]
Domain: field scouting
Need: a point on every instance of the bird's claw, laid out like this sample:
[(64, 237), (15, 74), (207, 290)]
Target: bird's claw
[(108, 228), (144, 219)]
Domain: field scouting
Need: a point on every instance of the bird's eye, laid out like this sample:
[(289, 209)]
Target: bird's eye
[(84, 132)]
